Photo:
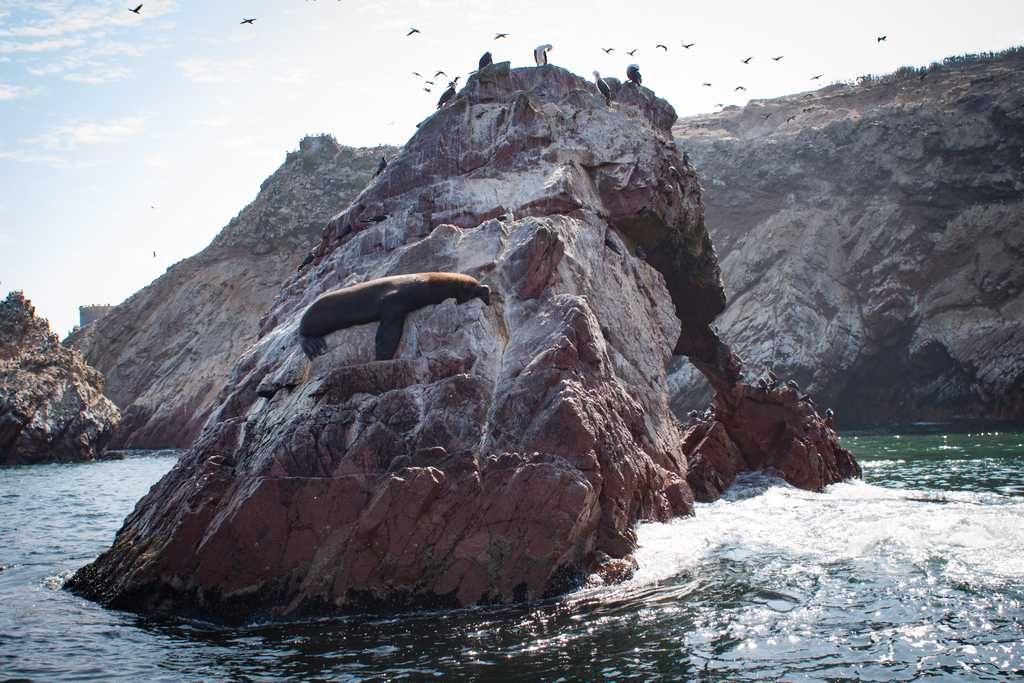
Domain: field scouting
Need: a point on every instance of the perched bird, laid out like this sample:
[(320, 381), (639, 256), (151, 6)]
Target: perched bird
[(486, 60), (676, 175), (540, 54), (719, 105), (663, 47), (412, 31), (686, 159), (631, 52), (137, 10), (790, 119), (440, 73), (306, 261), (381, 166), (793, 385), (814, 78), (610, 243), (500, 35), (762, 385), (603, 87), (687, 45), (747, 60), (739, 87), (608, 50), (446, 95), (775, 59), (879, 39), (633, 74), (454, 82), (247, 21), (706, 85)]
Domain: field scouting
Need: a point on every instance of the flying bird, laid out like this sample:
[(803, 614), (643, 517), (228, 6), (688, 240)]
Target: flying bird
[(633, 74), (608, 50), (603, 87), (706, 85), (631, 52), (747, 60), (500, 35), (775, 59), (417, 74), (154, 253), (248, 21), (446, 95), (485, 61), (687, 45), (430, 82), (878, 39), (137, 10), (814, 78), (426, 90), (540, 54), (739, 87), (412, 31), (662, 47), (440, 73)]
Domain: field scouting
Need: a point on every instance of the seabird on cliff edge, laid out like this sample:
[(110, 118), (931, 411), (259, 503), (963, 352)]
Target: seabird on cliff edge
[(540, 54), (633, 74), (446, 95), (603, 87), (486, 60)]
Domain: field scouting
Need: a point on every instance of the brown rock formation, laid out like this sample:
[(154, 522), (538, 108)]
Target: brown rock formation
[(507, 450), (167, 350), (872, 241), (52, 406)]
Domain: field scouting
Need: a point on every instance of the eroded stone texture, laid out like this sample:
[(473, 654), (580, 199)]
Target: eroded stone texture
[(167, 350), (506, 451), (52, 407)]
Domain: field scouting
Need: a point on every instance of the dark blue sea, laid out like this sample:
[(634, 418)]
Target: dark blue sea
[(915, 573)]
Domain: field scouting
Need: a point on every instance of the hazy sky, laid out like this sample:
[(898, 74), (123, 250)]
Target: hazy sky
[(121, 135)]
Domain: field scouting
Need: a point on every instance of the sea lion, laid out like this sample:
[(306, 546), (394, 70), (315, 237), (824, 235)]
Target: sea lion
[(387, 299)]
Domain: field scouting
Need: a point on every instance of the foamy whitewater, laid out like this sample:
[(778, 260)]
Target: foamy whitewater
[(918, 571)]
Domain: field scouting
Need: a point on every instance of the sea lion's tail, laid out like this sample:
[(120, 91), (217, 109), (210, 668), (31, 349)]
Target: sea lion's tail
[(313, 346)]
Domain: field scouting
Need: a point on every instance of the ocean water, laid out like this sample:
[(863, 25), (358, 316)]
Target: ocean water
[(917, 572)]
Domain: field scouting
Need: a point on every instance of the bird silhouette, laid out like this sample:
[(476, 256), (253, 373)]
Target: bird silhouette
[(747, 60), (662, 47), (608, 50), (775, 59), (814, 78), (430, 82), (417, 74), (440, 73), (137, 10), (485, 61), (706, 85), (878, 39), (633, 74), (247, 21), (790, 119), (446, 95), (154, 253), (631, 52), (500, 35), (412, 31), (739, 87), (687, 45), (381, 166), (767, 116)]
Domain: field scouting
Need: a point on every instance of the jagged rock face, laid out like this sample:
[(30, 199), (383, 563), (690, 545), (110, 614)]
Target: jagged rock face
[(167, 350), (873, 246), (52, 406), (507, 449)]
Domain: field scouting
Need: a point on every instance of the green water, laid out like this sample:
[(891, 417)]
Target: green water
[(915, 573)]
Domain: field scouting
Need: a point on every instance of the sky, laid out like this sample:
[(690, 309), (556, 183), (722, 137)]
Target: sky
[(123, 135)]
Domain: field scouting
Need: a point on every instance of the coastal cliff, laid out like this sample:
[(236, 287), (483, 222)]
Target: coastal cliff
[(52, 407), (508, 450), (872, 241), (166, 351)]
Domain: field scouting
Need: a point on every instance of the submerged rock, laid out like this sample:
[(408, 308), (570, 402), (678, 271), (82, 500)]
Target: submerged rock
[(167, 350), (52, 407), (507, 451)]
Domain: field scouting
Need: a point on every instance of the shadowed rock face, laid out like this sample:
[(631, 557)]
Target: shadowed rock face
[(167, 350), (506, 451), (52, 407), (873, 247)]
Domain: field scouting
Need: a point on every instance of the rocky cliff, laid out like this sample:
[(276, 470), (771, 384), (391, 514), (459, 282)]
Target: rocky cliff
[(167, 350), (872, 240), (52, 406), (508, 449)]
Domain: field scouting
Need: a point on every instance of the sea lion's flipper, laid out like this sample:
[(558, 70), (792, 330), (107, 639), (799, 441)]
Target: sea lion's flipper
[(313, 346), (389, 334)]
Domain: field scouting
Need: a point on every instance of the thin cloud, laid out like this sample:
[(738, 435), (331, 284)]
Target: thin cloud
[(15, 92), (204, 70), (72, 136), (9, 48), (51, 160), (100, 74)]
